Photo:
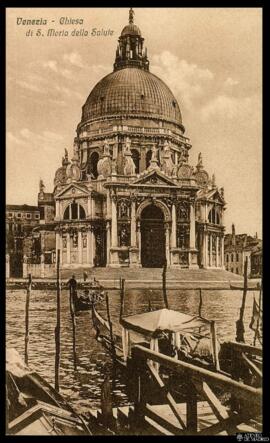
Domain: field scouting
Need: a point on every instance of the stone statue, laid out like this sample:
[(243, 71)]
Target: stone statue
[(154, 161), (182, 158), (167, 163), (129, 165)]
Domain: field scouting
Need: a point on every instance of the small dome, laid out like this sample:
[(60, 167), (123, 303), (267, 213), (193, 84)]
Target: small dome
[(131, 29)]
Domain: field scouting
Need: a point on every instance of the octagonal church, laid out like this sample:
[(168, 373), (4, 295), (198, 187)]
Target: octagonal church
[(128, 196)]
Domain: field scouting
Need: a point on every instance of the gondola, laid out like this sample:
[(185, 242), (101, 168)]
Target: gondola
[(83, 299), (34, 407)]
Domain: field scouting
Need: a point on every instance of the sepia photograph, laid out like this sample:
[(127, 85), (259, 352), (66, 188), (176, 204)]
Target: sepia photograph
[(133, 259)]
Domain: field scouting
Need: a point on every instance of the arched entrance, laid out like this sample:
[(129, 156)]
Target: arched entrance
[(153, 251)]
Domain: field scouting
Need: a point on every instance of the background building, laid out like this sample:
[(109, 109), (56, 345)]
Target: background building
[(236, 248), (20, 221)]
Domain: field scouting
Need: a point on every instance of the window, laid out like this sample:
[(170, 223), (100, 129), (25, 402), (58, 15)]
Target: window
[(9, 214), (74, 212), (92, 165), (227, 257), (213, 217), (237, 258), (19, 215), (136, 160), (237, 271), (148, 158), (231, 257), (28, 215), (36, 215), (231, 269), (42, 213)]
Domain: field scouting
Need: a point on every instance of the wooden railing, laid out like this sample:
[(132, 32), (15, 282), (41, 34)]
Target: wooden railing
[(199, 383)]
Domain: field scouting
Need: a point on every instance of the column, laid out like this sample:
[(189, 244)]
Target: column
[(57, 209), (70, 212), (167, 244), (89, 207), (210, 250), (80, 247), (217, 248), (205, 249), (222, 252), (57, 235), (93, 207), (89, 259), (139, 239), (206, 213), (68, 248), (108, 202), (143, 159), (108, 241), (42, 266), (133, 224), (192, 227), (114, 223), (93, 246), (61, 248), (7, 266), (173, 234), (176, 158)]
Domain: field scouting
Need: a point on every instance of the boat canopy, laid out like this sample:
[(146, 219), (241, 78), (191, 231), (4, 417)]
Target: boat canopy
[(163, 320)]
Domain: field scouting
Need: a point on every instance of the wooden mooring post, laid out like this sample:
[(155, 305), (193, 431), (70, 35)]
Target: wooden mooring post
[(122, 296), (111, 327), (58, 323), (164, 288), (27, 304), (240, 329), (72, 294)]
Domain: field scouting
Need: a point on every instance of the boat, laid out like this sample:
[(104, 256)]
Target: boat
[(164, 330), (34, 407), (83, 299)]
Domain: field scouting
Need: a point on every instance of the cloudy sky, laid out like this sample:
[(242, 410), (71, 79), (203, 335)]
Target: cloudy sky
[(210, 58)]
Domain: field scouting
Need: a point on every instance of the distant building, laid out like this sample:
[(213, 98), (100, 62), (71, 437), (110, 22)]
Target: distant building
[(236, 248), (20, 221), (256, 262)]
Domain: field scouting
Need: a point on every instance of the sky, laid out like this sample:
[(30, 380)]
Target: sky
[(211, 58)]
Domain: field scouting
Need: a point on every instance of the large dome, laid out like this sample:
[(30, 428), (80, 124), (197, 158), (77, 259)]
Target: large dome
[(132, 91)]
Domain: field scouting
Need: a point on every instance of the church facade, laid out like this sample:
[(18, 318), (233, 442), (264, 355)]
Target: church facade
[(128, 196)]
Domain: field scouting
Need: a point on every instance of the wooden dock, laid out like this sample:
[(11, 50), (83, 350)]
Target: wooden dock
[(202, 411), (160, 420)]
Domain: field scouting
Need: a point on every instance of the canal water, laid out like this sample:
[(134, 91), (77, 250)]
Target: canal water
[(83, 387)]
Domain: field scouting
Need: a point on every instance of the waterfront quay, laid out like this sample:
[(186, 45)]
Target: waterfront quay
[(142, 278)]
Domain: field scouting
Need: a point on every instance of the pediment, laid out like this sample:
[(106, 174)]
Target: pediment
[(73, 190), (154, 178)]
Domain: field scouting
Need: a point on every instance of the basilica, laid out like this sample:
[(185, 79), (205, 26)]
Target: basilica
[(128, 196)]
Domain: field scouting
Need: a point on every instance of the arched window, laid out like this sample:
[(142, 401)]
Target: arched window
[(136, 159), (237, 257), (74, 212), (92, 165), (213, 217), (231, 257), (227, 257), (148, 158)]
